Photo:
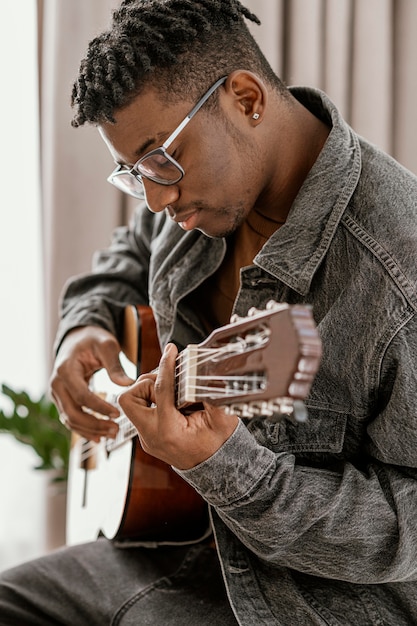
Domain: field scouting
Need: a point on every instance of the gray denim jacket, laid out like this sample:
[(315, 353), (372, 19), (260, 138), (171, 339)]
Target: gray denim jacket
[(316, 523)]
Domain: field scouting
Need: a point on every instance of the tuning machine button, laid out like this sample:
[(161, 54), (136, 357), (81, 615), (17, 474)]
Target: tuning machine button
[(271, 305), (294, 410)]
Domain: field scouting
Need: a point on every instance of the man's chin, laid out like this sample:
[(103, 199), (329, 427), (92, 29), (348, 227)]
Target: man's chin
[(216, 235)]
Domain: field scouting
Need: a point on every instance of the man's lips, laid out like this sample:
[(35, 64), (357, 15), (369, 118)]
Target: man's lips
[(187, 221)]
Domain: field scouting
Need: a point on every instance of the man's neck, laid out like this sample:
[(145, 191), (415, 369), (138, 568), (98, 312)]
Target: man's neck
[(300, 139)]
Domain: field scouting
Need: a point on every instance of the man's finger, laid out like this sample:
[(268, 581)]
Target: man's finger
[(138, 397), (118, 375), (165, 380)]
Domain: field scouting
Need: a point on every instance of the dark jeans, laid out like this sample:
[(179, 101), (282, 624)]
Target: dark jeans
[(99, 584)]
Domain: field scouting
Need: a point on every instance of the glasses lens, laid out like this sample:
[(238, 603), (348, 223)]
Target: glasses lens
[(160, 169), (128, 183)]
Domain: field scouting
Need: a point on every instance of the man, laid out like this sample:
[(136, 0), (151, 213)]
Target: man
[(253, 192)]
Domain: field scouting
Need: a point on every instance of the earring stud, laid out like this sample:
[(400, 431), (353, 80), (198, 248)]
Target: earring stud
[(255, 116)]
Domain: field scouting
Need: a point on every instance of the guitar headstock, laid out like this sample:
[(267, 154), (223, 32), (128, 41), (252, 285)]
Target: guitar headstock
[(263, 364)]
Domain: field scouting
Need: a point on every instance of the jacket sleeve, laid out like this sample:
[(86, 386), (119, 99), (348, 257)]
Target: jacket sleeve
[(119, 277), (354, 520)]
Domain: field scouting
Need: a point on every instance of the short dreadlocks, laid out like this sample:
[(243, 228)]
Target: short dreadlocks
[(179, 47)]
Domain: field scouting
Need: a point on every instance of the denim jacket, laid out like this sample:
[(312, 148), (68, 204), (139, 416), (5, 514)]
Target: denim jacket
[(315, 522)]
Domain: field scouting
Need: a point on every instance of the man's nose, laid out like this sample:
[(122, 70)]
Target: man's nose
[(159, 196)]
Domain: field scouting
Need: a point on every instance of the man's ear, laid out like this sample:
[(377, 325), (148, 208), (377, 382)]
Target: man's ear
[(247, 94)]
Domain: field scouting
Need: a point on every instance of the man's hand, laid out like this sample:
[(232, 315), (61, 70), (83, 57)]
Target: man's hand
[(164, 432), (83, 352)]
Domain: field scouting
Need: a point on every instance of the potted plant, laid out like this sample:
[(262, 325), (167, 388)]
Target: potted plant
[(36, 423)]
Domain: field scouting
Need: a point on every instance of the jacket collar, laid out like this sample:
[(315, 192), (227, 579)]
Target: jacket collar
[(295, 251)]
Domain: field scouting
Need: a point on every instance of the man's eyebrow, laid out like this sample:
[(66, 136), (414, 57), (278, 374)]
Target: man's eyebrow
[(149, 142)]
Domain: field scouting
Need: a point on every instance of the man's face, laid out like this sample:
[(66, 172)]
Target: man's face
[(220, 184)]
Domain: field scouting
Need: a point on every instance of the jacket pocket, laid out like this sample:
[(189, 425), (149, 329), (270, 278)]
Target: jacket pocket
[(323, 432)]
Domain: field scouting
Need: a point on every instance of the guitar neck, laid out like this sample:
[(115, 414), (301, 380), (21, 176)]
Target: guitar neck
[(263, 364), (126, 430), (125, 433)]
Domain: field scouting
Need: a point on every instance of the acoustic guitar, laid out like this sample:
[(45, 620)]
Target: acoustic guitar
[(261, 365)]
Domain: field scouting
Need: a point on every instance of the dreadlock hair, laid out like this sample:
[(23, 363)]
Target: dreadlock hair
[(179, 47)]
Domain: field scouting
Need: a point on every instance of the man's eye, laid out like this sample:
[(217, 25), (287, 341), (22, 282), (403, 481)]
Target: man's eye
[(157, 161), (160, 160)]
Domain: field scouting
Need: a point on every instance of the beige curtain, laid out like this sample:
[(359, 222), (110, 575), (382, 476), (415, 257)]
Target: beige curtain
[(80, 209), (363, 53)]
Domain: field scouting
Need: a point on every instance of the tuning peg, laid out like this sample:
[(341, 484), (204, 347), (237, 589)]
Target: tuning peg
[(232, 409), (271, 305), (294, 410), (241, 409), (253, 311), (274, 410), (266, 408), (300, 411)]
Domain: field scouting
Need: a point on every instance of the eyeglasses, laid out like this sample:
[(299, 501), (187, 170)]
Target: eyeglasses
[(157, 165)]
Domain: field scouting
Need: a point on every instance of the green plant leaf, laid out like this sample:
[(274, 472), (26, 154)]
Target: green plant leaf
[(36, 423)]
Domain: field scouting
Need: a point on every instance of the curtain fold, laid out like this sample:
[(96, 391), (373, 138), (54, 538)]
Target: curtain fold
[(404, 123), (361, 52), (371, 92), (80, 209)]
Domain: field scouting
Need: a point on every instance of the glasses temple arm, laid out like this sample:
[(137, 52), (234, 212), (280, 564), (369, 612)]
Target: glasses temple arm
[(193, 111)]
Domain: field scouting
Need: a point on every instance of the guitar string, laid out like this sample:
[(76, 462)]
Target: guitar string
[(202, 356), (127, 430), (184, 361), (240, 346), (205, 355)]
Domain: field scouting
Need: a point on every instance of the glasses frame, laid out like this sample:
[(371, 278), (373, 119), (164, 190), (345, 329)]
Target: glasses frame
[(162, 150)]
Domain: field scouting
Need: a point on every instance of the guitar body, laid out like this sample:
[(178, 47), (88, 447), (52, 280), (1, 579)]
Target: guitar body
[(129, 494), (98, 490), (125, 493)]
